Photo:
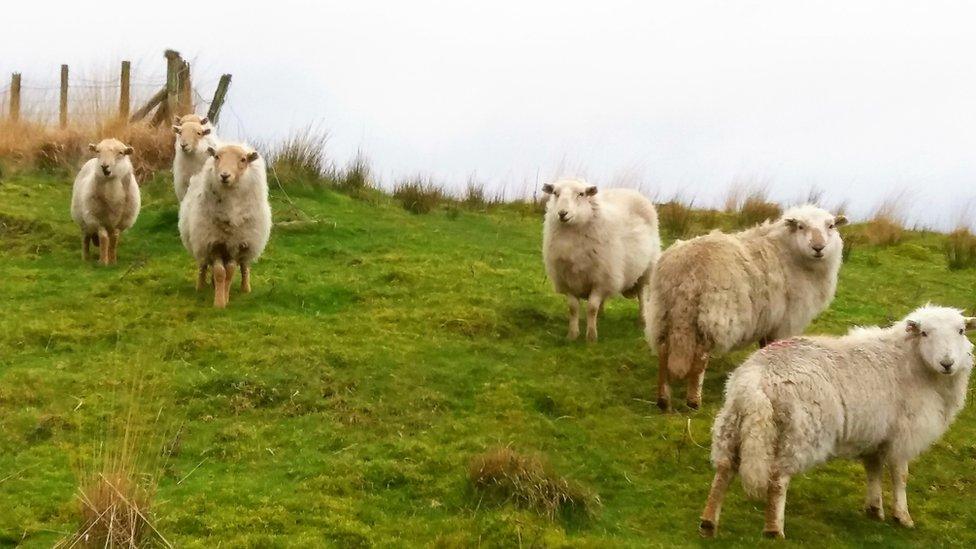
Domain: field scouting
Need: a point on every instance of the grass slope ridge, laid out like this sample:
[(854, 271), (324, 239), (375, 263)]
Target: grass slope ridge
[(342, 402)]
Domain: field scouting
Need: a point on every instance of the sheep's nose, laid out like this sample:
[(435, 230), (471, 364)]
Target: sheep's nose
[(562, 215), (947, 363), (105, 169), (818, 248), (224, 176)]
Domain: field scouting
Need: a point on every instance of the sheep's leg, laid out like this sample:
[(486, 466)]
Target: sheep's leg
[(641, 296), (113, 246), (229, 268), (103, 246), (899, 480), (219, 277), (763, 341), (663, 389), (713, 507), (776, 504), (594, 304), (573, 303), (696, 377), (201, 276), (245, 278), (872, 503), (86, 247)]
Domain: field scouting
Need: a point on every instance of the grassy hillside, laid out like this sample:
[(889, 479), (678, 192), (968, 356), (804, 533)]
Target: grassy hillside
[(341, 402)]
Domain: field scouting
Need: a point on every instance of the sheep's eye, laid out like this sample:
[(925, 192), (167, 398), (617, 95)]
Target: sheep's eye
[(581, 195), (962, 331), (925, 334), (831, 226), (200, 134)]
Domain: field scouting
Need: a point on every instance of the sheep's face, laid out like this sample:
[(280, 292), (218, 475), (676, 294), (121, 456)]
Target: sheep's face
[(571, 202), (940, 336), (191, 138), (113, 158), (813, 232), (230, 162), (195, 118)]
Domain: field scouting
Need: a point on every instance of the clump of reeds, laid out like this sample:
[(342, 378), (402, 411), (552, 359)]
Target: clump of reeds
[(418, 195), (887, 224), (299, 159)]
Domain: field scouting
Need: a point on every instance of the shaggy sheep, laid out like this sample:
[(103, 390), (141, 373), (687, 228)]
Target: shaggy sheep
[(597, 245), (225, 219), (881, 395), (723, 291), (192, 141), (202, 120), (105, 198)]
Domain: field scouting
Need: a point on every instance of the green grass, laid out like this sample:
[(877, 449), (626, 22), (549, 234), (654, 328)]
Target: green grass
[(342, 402)]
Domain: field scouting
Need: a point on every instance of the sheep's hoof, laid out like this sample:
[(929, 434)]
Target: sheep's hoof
[(905, 520), (591, 337), (707, 529), (664, 404), (774, 534), (874, 512), (572, 336), (693, 404)]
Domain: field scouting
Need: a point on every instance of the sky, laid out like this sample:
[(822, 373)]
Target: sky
[(865, 100)]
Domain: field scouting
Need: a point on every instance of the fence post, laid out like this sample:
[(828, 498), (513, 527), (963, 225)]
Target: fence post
[(173, 66), (186, 90), (63, 110), (14, 97), (124, 90), (218, 99)]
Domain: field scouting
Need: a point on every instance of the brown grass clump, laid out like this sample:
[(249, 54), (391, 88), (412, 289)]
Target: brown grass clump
[(675, 217), (529, 482), (476, 198), (299, 159), (887, 225), (356, 179), (418, 195), (750, 204), (960, 249)]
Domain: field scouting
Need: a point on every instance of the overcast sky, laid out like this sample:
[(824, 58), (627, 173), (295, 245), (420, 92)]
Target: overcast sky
[(859, 98)]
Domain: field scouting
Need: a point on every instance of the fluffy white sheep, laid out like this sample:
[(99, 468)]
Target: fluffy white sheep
[(225, 218), (193, 137), (596, 245), (723, 291), (880, 395), (105, 198)]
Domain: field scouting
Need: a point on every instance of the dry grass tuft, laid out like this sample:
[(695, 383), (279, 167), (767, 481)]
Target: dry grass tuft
[(356, 179), (960, 249), (675, 217), (750, 204), (476, 198), (887, 225), (299, 159), (418, 195), (529, 482)]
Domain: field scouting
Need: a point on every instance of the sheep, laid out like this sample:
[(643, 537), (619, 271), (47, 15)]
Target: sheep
[(720, 292), (202, 120), (597, 245), (193, 138), (881, 395), (225, 218), (105, 199)]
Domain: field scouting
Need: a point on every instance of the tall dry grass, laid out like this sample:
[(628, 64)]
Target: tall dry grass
[(750, 203), (300, 160), (418, 195), (887, 224)]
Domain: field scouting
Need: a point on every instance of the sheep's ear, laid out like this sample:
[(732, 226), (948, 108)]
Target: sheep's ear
[(793, 224), (93, 147), (970, 323), (128, 150), (252, 156), (840, 220), (204, 120), (176, 129), (206, 131), (591, 190), (212, 152), (547, 188), (912, 327)]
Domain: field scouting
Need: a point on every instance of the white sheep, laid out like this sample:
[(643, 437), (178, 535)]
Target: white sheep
[(105, 198), (225, 218), (880, 395), (720, 291), (596, 245), (193, 138)]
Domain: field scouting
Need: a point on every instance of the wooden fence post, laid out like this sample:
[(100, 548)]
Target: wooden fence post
[(63, 107), (14, 97), (156, 99), (124, 90), (185, 90), (218, 99), (173, 66)]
